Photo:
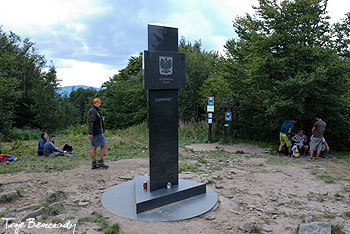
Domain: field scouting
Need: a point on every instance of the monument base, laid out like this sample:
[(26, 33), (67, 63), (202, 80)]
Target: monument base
[(130, 200), (146, 200)]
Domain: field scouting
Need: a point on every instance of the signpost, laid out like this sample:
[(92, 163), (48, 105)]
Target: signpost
[(228, 117), (210, 110)]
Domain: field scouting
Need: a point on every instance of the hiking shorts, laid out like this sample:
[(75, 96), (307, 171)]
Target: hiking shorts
[(98, 140), (285, 140), (316, 144)]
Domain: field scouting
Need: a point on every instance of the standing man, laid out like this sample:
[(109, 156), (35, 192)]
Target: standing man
[(316, 142), (95, 134), (285, 132)]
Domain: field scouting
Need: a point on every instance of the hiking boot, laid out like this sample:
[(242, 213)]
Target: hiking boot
[(279, 153), (101, 164), (309, 159), (94, 165)]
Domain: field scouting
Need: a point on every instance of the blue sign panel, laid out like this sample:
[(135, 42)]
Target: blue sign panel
[(210, 101), (228, 116)]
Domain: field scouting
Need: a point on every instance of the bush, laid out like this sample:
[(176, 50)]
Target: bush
[(22, 134), (77, 130), (192, 132)]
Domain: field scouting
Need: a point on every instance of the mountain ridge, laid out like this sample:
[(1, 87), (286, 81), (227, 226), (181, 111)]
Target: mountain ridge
[(68, 89)]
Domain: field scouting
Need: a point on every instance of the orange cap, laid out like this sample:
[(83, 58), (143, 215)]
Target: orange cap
[(95, 100)]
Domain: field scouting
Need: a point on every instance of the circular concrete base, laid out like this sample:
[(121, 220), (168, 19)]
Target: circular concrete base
[(120, 200)]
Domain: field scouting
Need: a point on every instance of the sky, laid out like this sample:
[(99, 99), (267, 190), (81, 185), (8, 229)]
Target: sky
[(88, 41)]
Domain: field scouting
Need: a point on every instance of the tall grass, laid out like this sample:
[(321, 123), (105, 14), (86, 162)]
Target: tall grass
[(22, 134), (121, 144), (192, 132)]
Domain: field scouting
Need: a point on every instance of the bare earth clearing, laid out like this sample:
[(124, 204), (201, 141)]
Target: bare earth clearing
[(254, 195)]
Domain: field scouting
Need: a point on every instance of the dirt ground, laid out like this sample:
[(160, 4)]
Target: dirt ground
[(253, 195)]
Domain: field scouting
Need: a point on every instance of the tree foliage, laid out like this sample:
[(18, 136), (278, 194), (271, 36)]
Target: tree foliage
[(200, 65), (285, 63), (28, 89), (124, 98)]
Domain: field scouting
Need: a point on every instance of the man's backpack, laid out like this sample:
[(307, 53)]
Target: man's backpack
[(67, 148)]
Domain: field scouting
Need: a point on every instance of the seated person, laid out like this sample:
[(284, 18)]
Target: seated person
[(50, 149), (300, 139), (42, 141), (325, 146)]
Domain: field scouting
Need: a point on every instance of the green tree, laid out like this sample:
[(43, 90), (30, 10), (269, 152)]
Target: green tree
[(285, 64), (123, 96), (199, 66), (81, 100), (28, 94)]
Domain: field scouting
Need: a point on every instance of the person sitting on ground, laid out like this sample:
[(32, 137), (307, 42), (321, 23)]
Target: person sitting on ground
[(301, 140), (325, 146), (42, 141), (285, 132), (50, 149)]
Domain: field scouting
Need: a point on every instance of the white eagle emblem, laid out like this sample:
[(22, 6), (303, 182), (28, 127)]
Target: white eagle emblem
[(165, 65)]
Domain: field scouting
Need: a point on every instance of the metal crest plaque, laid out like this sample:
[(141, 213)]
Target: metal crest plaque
[(165, 65), (164, 70)]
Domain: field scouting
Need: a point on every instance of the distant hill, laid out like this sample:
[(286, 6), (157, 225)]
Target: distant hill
[(68, 89)]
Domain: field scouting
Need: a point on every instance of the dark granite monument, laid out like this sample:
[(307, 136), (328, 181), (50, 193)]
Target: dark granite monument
[(164, 74), (146, 197)]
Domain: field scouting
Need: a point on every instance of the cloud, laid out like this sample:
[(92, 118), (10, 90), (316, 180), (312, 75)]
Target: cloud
[(337, 11), (82, 35), (77, 73), (35, 15), (209, 21)]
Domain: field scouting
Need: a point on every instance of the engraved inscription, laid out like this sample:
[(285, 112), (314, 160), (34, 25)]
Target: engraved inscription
[(164, 99), (165, 65)]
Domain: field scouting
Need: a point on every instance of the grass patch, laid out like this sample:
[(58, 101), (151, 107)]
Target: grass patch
[(347, 213), (57, 196), (321, 198), (8, 197), (216, 168), (329, 216), (346, 188), (190, 133), (210, 181), (275, 160), (219, 154), (202, 160), (3, 213), (57, 220), (338, 197), (51, 212), (324, 175), (342, 155), (189, 167), (302, 217), (101, 221), (257, 229), (115, 228), (337, 229)]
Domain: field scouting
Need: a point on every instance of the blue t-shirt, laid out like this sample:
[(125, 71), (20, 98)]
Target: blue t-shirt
[(286, 126)]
